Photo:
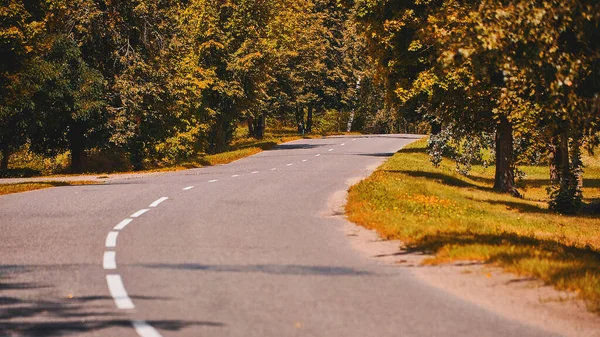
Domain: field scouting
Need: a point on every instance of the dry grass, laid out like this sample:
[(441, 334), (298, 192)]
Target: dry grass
[(25, 187), (455, 218)]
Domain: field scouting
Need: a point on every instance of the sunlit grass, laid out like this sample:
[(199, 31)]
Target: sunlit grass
[(25, 187), (455, 218), (27, 164)]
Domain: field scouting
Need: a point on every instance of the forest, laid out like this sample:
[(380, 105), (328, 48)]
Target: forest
[(163, 80), (499, 82)]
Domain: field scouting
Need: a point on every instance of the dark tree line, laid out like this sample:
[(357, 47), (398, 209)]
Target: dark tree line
[(166, 80)]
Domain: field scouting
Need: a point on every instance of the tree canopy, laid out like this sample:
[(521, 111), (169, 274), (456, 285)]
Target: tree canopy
[(519, 78)]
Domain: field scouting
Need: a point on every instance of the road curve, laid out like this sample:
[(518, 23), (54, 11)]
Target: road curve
[(234, 250)]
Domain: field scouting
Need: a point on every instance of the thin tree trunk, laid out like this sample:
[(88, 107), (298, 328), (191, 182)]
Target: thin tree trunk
[(309, 119), (251, 126), (300, 120), (505, 174), (262, 125), (554, 158), (351, 120), (5, 156)]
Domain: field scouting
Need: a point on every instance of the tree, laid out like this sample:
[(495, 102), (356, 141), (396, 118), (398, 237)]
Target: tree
[(523, 69), (16, 31), (68, 107)]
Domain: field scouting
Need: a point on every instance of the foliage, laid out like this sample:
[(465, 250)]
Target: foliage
[(457, 218), (512, 70)]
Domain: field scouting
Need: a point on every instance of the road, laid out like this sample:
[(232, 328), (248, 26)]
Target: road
[(243, 249)]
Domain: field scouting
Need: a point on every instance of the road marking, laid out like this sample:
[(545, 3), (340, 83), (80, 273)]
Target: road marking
[(144, 329), (254, 172), (330, 150), (304, 161), (188, 188), (354, 139), (158, 202), (118, 292), (139, 213), (235, 176), (317, 155), (274, 169), (111, 239), (213, 181), (343, 144), (109, 261), (290, 165), (123, 224)]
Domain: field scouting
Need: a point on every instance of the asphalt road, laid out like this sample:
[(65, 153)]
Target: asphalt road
[(236, 250)]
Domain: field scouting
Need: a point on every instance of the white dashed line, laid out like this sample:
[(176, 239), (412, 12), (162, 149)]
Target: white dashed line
[(213, 181), (330, 150), (139, 213), (255, 172), (274, 169), (235, 176), (109, 261), (343, 144), (123, 224), (354, 139), (111, 239), (317, 155), (290, 165), (144, 329), (118, 292), (304, 161), (188, 188), (158, 202)]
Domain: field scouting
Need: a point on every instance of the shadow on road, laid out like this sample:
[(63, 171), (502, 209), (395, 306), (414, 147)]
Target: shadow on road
[(299, 146), (24, 312), (272, 269), (380, 154)]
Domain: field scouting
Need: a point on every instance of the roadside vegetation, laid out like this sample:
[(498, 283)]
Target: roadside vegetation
[(519, 79), (455, 217), (27, 164), (25, 187), (116, 86)]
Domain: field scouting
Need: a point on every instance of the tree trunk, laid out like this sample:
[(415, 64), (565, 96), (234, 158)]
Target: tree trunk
[(5, 156), (351, 120), (309, 119), (554, 158), (251, 126), (77, 146), (219, 141), (76, 159), (261, 126), (300, 120), (436, 128), (505, 174), (563, 161)]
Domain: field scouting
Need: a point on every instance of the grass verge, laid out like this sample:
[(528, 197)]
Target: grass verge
[(25, 187), (454, 218), (25, 164)]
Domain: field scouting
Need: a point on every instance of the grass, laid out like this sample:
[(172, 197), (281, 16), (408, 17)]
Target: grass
[(25, 187), (456, 218), (26, 164)]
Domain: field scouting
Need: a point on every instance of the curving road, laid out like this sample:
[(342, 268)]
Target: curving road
[(234, 250)]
